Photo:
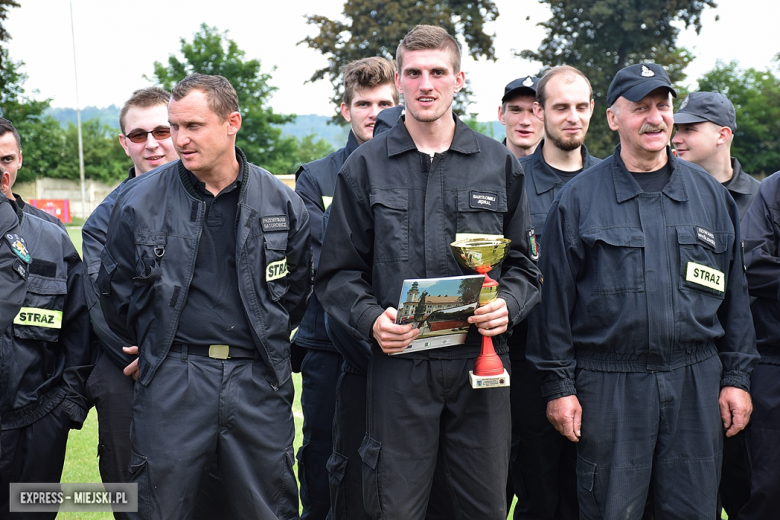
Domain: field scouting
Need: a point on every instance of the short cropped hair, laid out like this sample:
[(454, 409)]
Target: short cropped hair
[(424, 37), (220, 94), (567, 70), (143, 98), (368, 73), (7, 126)]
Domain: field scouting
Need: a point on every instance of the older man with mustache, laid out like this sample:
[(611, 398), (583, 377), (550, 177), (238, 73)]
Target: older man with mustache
[(644, 330)]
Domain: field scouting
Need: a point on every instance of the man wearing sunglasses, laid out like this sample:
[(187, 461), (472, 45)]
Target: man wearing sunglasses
[(146, 138), (207, 268)]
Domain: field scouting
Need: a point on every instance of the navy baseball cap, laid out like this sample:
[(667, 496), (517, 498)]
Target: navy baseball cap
[(707, 106), (636, 81), (520, 87)]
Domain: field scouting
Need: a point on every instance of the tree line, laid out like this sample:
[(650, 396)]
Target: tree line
[(597, 36)]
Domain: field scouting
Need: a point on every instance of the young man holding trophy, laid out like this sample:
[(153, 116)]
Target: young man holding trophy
[(400, 200)]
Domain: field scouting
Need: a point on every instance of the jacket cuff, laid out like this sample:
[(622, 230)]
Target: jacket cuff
[(365, 324), (512, 307), (736, 378), (557, 389), (76, 413)]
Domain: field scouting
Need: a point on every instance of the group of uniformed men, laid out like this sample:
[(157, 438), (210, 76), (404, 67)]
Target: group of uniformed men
[(637, 345)]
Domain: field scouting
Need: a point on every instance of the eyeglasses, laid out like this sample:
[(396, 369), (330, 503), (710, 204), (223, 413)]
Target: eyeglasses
[(139, 136)]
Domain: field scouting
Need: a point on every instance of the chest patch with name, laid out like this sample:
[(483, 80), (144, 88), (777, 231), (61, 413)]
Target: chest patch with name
[(705, 276), (39, 318), (706, 237), (484, 200), (275, 223), (276, 270)]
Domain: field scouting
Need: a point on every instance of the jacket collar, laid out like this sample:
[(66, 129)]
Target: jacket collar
[(627, 188), (399, 140), (544, 177), (184, 175), (352, 143), (740, 183)]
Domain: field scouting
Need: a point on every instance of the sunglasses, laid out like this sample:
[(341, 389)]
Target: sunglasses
[(139, 136)]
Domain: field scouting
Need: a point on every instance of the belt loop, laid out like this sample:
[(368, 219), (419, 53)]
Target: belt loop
[(184, 353)]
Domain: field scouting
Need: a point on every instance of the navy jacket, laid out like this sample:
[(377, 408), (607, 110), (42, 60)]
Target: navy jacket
[(149, 258), (638, 282), (93, 236), (13, 269), (742, 187), (395, 213), (46, 357), (315, 183), (542, 185), (761, 232)]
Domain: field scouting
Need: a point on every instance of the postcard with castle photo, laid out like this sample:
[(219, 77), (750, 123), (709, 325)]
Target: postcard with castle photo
[(440, 308)]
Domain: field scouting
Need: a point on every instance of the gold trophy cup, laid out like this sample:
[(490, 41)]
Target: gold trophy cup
[(483, 255)]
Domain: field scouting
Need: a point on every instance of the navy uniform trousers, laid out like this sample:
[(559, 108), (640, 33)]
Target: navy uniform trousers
[(423, 412), (639, 427), (542, 463), (213, 407), (763, 442), (111, 392)]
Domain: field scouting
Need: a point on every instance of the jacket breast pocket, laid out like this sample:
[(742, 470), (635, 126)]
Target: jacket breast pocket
[(40, 318), (481, 213), (704, 260), (618, 259), (276, 264), (151, 250), (390, 209)]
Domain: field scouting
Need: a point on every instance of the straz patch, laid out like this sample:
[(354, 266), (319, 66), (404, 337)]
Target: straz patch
[(39, 318), (19, 247), (532, 247), (275, 223), (484, 200), (276, 270), (705, 236), (705, 276)]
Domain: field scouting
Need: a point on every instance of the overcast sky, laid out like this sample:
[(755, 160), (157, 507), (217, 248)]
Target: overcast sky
[(118, 42)]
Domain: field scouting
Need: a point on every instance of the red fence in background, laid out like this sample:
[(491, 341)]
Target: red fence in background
[(60, 208)]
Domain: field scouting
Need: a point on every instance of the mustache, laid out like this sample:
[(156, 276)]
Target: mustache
[(663, 127)]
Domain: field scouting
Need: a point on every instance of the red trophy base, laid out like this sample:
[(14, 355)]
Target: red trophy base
[(489, 371)]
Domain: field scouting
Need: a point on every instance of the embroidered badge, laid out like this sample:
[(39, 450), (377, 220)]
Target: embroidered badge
[(275, 223), (19, 247), (529, 82), (705, 236), (705, 276), (533, 248), (684, 103), (39, 318), (276, 270), (484, 200), (646, 72)]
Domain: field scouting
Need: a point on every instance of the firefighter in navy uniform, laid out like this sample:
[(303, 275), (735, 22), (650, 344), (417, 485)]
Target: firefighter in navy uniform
[(541, 470), (207, 270), (400, 200), (368, 90), (761, 232), (644, 330), (45, 356), (704, 131)]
